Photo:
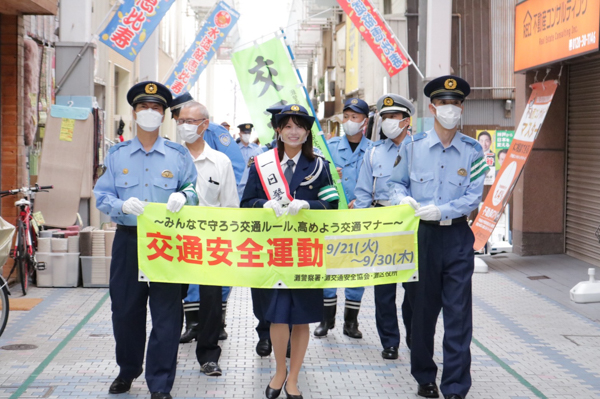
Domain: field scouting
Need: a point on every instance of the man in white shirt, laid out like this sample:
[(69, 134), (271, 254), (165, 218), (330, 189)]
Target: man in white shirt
[(216, 186)]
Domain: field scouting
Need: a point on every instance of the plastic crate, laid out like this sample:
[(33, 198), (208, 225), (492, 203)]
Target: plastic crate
[(62, 269), (95, 271)]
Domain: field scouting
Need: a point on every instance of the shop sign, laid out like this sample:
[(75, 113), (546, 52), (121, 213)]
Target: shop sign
[(513, 163), (548, 31)]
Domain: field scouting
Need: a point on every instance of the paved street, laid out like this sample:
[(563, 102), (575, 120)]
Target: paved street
[(525, 345)]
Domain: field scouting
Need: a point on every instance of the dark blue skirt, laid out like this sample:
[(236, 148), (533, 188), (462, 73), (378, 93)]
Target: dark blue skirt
[(295, 306)]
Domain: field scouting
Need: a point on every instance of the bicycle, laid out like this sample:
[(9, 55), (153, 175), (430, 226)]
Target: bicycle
[(23, 252), (4, 306)]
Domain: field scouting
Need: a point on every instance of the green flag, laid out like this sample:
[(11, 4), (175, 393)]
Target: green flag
[(267, 78)]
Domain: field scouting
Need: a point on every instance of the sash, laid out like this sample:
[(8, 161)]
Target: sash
[(271, 177)]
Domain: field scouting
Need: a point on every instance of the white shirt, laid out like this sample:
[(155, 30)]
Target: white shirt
[(216, 184), (283, 162)]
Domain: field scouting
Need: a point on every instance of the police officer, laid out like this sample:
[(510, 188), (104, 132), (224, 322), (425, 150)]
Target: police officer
[(347, 154), (247, 148), (372, 191), (217, 137), (151, 169), (441, 174)]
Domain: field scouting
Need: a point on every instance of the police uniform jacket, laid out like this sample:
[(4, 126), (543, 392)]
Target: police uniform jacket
[(377, 165), (219, 139), (149, 176), (350, 161), (449, 178)]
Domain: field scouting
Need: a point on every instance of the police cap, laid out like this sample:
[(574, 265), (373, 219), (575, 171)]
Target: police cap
[(179, 101), (294, 109), (357, 105), (246, 127), (391, 103), (149, 91), (447, 87)]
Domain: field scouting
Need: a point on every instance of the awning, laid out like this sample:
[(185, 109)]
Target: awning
[(36, 7)]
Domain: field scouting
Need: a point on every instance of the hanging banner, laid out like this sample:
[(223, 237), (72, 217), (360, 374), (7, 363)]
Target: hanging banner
[(377, 34), (513, 163), (254, 248), (215, 29), (267, 78), (132, 24)]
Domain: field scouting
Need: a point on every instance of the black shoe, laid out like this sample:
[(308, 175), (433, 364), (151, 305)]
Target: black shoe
[(211, 369), (328, 321), (263, 347), (272, 393), (122, 385), (290, 396), (223, 334), (390, 353), (191, 322), (429, 390), (453, 396), (351, 319), (160, 395)]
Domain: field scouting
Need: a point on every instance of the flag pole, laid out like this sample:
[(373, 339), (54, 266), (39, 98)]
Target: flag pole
[(309, 102)]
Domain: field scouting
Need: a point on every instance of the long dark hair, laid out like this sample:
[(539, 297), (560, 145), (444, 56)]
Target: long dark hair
[(307, 147)]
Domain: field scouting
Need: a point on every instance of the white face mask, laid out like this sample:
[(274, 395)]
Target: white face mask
[(391, 127), (448, 115), (188, 132), (148, 119), (245, 138), (351, 128)]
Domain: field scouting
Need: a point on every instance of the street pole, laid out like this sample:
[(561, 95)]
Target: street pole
[(422, 57)]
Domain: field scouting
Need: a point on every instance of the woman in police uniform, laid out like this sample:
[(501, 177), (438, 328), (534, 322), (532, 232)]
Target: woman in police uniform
[(310, 186)]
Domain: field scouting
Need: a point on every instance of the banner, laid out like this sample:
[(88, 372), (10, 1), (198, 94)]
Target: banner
[(215, 29), (133, 22), (254, 248), (377, 34), (267, 79), (512, 166)]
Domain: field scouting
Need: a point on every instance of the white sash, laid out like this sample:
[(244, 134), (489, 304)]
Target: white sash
[(271, 177)]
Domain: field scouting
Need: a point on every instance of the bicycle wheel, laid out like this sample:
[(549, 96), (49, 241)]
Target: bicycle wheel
[(21, 258), (4, 308), (31, 259)]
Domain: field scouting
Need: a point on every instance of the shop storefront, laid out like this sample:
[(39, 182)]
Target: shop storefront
[(558, 197)]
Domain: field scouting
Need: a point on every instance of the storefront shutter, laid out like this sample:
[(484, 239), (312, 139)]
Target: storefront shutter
[(583, 163)]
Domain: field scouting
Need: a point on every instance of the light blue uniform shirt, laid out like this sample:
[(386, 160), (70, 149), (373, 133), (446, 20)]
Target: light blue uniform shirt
[(350, 161), (377, 165), (251, 150), (218, 138), (133, 172), (450, 178)]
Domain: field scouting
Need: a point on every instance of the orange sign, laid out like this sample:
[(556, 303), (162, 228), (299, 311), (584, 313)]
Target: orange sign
[(529, 127), (547, 31)]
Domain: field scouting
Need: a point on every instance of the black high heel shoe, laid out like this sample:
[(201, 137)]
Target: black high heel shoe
[(272, 393), (290, 396)]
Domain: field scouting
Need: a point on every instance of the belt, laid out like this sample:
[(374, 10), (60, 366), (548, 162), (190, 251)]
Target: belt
[(445, 222), (382, 203), (129, 229)]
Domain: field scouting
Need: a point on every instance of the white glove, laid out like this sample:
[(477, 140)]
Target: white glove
[(410, 201), (295, 206), (133, 206), (176, 202), (276, 206), (429, 212)]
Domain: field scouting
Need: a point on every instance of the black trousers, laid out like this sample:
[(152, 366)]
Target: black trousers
[(129, 298), (386, 315), (446, 263), (261, 298), (209, 326)]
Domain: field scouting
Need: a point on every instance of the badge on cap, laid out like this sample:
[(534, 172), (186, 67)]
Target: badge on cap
[(151, 88), (462, 172), (450, 84), (295, 108), (388, 101), (125, 171), (355, 101), (167, 173), (247, 126)]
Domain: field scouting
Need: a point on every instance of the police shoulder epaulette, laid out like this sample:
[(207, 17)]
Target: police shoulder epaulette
[(416, 137), (471, 141), (376, 143), (334, 140), (117, 146), (176, 146)]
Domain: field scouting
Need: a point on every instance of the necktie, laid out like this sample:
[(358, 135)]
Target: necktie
[(289, 172)]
